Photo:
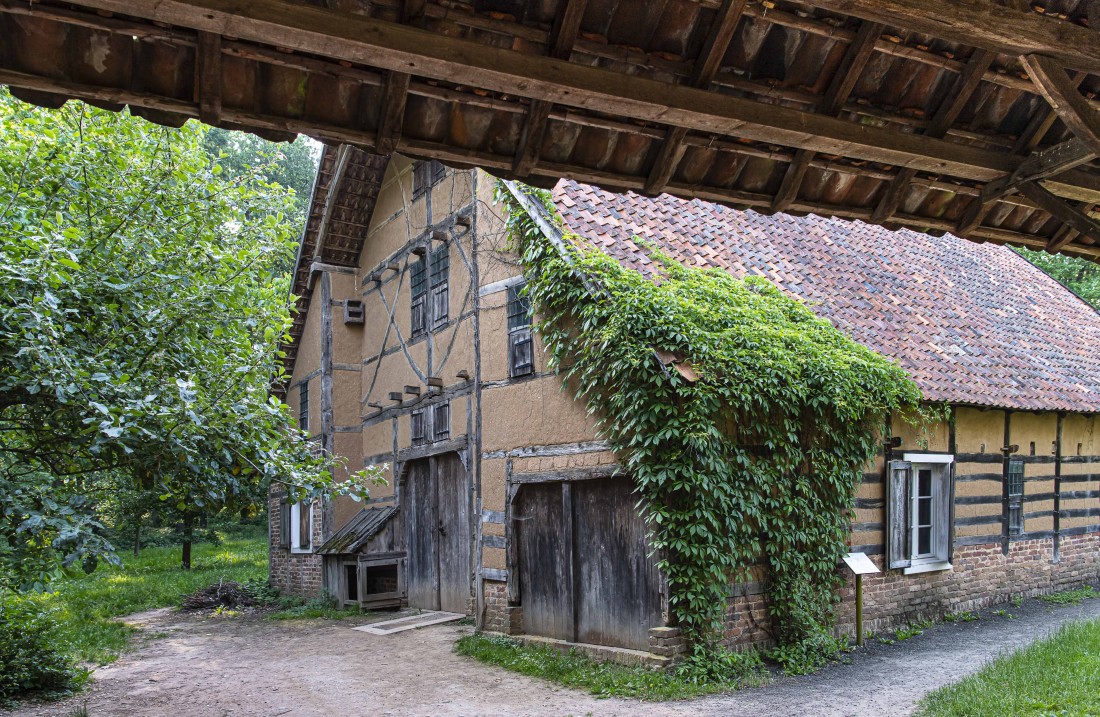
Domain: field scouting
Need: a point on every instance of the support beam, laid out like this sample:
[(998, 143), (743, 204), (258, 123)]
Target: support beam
[(563, 35), (392, 118), (1041, 122), (844, 81), (1060, 91), (377, 43), (949, 110), (983, 24), (706, 67), (208, 77), (1071, 216)]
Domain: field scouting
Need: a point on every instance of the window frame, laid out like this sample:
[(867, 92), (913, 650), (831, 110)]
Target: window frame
[(296, 529), (439, 307), (441, 424), (418, 427), (520, 336), (303, 406), (903, 524), (427, 174), (1015, 517), (418, 298)]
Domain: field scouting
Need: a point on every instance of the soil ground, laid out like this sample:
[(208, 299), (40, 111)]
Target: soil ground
[(207, 666)]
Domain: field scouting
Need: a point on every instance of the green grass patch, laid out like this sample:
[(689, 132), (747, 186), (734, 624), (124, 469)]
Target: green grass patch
[(1056, 677), (86, 604), (601, 678), (1071, 597)]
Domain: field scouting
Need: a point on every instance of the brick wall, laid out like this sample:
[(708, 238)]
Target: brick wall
[(498, 615), (290, 573)]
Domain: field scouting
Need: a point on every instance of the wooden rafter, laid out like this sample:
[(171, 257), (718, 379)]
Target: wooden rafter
[(706, 67), (1060, 91), (844, 81), (1041, 122), (208, 77), (1067, 234), (563, 35), (1069, 215), (983, 24), (949, 110), (393, 112)]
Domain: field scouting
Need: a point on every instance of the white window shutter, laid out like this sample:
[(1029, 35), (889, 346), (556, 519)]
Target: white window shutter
[(898, 489)]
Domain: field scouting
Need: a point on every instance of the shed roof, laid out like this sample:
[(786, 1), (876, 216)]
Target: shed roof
[(972, 323), (918, 113), (354, 534)]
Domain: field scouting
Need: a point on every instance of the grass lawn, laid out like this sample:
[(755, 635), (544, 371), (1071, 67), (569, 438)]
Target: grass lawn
[(600, 678), (1056, 677), (85, 604)]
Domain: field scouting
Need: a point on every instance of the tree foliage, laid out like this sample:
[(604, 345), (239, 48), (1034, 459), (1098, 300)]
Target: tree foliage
[(750, 463), (140, 316), (1080, 276)]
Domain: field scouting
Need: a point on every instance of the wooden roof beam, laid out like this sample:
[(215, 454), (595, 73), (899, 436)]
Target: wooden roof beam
[(567, 25), (208, 77), (983, 24), (1075, 111), (949, 110), (1069, 215), (702, 74), (392, 120), (840, 88)]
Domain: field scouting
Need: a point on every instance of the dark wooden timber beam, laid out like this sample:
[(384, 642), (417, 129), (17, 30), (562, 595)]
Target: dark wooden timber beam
[(1074, 110), (208, 77), (369, 42), (392, 117), (1041, 122), (840, 88), (983, 24), (1067, 234), (949, 110), (1069, 215), (1061, 93), (706, 67), (563, 35)]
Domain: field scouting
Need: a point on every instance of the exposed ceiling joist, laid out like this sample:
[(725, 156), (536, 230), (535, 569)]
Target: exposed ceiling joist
[(391, 46), (1061, 93), (981, 23), (1069, 215)]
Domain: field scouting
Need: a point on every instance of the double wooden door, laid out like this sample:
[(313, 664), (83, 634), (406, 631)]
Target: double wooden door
[(436, 504), (585, 574)]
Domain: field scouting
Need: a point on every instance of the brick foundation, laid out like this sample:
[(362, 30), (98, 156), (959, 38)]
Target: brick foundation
[(498, 615), (982, 576), (297, 574)]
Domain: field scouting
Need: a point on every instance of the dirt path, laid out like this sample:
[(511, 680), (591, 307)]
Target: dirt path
[(221, 667)]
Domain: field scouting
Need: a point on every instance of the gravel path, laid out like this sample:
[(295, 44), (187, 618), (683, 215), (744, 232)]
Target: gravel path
[(217, 667)]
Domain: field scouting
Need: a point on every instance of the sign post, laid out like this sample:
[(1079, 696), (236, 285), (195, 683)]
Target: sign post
[(861, 565)]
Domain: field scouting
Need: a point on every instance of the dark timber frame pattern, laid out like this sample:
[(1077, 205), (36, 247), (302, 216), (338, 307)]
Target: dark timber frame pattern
[(816, 106)]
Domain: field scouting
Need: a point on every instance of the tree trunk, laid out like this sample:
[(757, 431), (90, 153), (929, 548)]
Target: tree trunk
[(137, 538), (188, 533)]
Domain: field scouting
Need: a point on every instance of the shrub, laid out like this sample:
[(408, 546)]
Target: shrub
[(31, 660)]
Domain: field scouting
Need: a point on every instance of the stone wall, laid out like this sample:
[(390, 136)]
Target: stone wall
[(298, 574), (498, 615)]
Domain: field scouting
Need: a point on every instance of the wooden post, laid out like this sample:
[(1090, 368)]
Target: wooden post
[(859, 610)]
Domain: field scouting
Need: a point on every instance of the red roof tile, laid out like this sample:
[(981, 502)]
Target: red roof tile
[(972, 323)]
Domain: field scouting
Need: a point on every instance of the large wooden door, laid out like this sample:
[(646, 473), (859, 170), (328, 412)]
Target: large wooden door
[(583, 563), (453, 500), (436, 502)]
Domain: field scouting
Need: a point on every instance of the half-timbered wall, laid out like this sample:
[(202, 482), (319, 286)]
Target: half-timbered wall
[(518, 441)]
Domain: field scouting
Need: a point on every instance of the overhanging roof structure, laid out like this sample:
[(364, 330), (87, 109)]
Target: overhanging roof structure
[(964, 116)]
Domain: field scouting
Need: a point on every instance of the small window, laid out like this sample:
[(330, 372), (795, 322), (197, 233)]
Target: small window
[(919, 529), (1015, 496), (425, 175), (521, 359), (418, 281), (441, 421), (418, 429), (301, 527), (441, 269), (303, 406)]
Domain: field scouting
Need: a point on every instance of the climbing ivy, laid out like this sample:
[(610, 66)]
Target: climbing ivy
[(744, 419)]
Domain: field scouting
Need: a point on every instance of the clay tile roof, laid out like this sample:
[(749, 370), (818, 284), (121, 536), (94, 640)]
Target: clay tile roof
[(972, 323)]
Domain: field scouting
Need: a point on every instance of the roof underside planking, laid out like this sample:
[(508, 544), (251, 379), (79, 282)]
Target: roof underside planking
[(963, 116)]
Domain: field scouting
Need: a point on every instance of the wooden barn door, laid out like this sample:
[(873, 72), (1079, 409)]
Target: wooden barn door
[(618, 586), (454, 533), (437, 523), (583, 564)]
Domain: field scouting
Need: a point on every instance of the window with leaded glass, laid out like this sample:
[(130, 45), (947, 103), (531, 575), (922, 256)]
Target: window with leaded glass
[(521, 359), (1015, 496), (303, 406), (440, 298)]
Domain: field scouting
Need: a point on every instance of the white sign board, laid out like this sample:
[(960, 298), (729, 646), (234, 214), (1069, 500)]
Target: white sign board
[(860, 563)]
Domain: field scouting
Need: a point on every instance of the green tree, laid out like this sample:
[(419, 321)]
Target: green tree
[(1080, 276), (140, 315)]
